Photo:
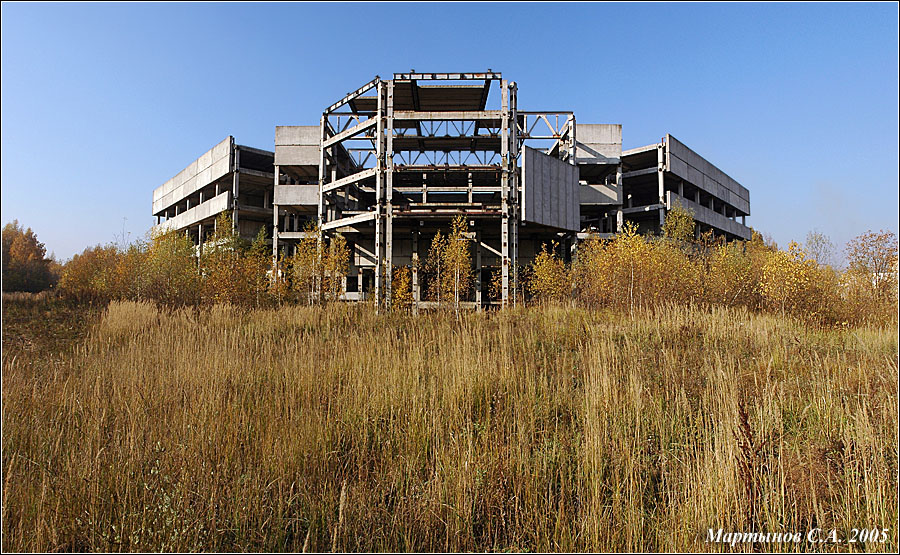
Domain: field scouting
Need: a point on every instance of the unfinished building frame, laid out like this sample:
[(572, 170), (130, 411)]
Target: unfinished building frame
[(390, 164)]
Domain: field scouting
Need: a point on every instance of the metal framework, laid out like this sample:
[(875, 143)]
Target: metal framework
[(423, 147)]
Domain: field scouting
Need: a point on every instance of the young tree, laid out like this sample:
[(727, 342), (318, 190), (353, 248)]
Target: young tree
[(872, 259), (787, 278), (679, 224), (434, 267), (89, 275), (401, 287), (25, 266), (549, 277), (170, 272), (257, 262), (819, 248), (305, 265), (336, 264), (223, 266), (457, 260)]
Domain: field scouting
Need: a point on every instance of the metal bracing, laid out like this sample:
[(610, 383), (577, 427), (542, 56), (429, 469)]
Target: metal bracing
[(379, 198), (353, 95), (407, 154), (389, 190), (514, 188), (504, 195)]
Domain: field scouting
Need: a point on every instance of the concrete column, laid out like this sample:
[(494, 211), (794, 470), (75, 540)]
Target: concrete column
[(743, 219), (424, 187), (379, 197), (235, 189), (416, 293), (389, 192), (619, 194), (697, 196), (275, 233), (504, 194), (660, 169), (332, 209), (275, 229), (680, 188), (478, 285)]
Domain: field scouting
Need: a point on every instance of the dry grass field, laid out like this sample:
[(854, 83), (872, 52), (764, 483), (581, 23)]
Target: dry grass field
[(547, 428)]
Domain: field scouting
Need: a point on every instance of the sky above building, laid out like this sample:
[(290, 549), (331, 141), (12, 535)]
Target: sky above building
[(102, 103)]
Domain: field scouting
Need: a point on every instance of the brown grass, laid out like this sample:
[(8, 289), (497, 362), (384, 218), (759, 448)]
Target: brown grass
[(540, 429)]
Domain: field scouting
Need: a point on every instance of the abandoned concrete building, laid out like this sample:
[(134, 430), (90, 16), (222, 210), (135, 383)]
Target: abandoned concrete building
[(391, 163)]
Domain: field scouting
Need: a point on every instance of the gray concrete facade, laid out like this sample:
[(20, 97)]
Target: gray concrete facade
[(393, 162), (229, 178)]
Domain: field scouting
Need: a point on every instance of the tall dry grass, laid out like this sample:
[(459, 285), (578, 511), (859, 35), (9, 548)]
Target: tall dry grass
[(307, 428)]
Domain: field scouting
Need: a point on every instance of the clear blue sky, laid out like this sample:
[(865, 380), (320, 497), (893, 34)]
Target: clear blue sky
[(102, 103)]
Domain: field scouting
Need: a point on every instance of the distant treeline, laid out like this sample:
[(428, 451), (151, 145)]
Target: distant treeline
[(627, 271)]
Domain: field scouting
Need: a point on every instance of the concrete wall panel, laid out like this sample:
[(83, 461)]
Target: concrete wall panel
[(597, 194), (292, 135), (690, 166), (598, 143), (297, 195), (709, 217), (296, 155), (207, 209), (210, 166), (550, 191)]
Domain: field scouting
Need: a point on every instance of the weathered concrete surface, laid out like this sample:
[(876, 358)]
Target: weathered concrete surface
[(297, 195), (197, 214), (598, 143), (297, 145), (551, 191), (709, 217), (210, 166), (690, 166)]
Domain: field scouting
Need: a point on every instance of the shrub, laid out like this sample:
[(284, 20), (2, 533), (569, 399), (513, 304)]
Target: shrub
[(25, 265), (549, 278)]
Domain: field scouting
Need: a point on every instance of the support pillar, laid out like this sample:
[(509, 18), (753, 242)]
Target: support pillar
[(275, 268), (379, 197), (416, 293), (620, 217), (661, 181), (504, 195), (478, 285), (236, 188), (389, 193)]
